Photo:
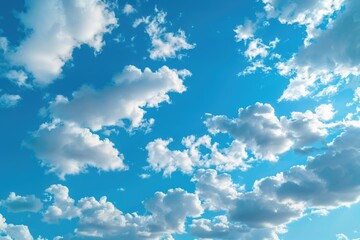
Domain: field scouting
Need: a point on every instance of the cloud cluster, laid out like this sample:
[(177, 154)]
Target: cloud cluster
[(9, 100), (168, 213), (56, 28), (164, 44), (68, 144)]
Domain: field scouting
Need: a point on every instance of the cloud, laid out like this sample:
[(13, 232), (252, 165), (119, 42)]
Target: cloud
[(11, 231), (310, 13), (57, 27), (131, 92), (168, 213), (245, 32), (128, 9), (63, 205), (68, 149), (323, 62), (257, 127), (219, 227), (9, 100), (16, 203), (164, 44), (162, 158)]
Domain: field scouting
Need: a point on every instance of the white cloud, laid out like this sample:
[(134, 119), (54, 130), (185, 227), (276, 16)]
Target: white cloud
[(164, 44), (168, 213), (332, 55), (255, 49), (68, 149), (267, 136), (341, 236), (128, 9), (132, 91), (161, 158), (57, 28), (310, 13), (16, 203), (245, 32), (63, 205), (11, 231), (18, 77), (9, 100), (257, 127)]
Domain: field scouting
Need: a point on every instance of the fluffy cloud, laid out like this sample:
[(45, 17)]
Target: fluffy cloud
[(257, 127), (102, 219), (11, 231), (310, 13), (9, 100), (266, 135), (132, 91), (162, 158), (57, 28), (164, 44), (68, 149), (16, 203), (318, 65), (245, 32)]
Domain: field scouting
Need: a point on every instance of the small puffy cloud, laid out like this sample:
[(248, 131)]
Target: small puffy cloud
[(11, 231), (128, 9), (255, 49), (164, 44), (18, 77), (341, 236), (9, 100), (245, 31), (131, 92), (57, 27), (68, 149), (16, 203)]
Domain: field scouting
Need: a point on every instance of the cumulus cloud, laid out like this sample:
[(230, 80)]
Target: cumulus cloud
[(16, 203), (268, 136), (257, 127), (9, 100), (168, 213), (57, 27), (131, 92), (10, 231), (68, 149), (164, 44), (162, 158)]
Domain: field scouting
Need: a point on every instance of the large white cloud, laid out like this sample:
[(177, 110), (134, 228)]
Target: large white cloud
[(68, 149), (11, 231), (164, 44), (131, 92), (56, 28), (16, 203)]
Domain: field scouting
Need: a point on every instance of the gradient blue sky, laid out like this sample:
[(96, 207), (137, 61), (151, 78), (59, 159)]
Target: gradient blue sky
[(179, 119)]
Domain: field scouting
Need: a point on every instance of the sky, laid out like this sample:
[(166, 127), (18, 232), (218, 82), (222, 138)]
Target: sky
[(179, 119)]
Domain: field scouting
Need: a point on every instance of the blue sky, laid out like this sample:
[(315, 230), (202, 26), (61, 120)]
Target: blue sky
[(179, 119)]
